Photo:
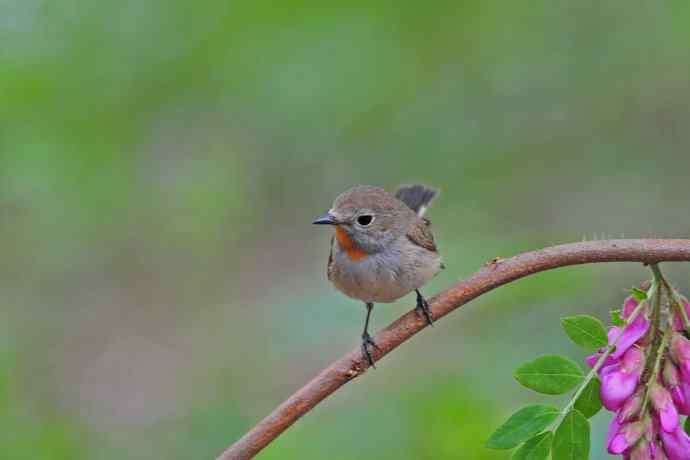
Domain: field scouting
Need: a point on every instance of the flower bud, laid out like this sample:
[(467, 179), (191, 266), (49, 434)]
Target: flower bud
[(626, 437), (671, 375), (678, 324), (631, 334), (680, 353), (614, 426), (676, 444), (631, 407), (619, 382), (681, 397), (629, 305), (663, 403)]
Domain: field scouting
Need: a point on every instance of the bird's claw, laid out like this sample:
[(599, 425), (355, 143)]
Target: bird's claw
[(367, 341), (423, 308)]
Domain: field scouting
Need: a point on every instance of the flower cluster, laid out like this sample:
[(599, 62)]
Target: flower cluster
[(645, 381)]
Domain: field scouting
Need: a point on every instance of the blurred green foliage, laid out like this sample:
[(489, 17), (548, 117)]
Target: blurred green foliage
[(160, 162)]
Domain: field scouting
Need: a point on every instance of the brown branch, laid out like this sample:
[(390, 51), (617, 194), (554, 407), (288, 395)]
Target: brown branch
[(495, 273)]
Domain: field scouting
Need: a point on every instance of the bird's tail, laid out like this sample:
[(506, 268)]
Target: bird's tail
[(417, 197)]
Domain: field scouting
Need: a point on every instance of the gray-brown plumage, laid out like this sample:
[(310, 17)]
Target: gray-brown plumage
[(383, 248)]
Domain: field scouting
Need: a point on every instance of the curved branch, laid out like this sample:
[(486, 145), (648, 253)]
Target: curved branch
[(495, 273)]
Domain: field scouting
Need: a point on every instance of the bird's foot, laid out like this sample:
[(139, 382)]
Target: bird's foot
[(367, 342), (423, 308)]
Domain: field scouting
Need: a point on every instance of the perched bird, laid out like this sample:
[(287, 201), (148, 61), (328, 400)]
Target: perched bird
[(383, 247)]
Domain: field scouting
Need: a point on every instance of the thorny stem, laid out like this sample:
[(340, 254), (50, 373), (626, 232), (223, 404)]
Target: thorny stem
[(654, 338), (600, 362), (658, 344), (657, 368)]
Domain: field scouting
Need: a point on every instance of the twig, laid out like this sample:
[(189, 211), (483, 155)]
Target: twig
[(490, 277)]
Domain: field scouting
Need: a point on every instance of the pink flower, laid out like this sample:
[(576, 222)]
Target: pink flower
[(619, 380), (631, 407), (592, 360), (629, 305), (627, 435), (631, 334), (614, 427), (628, 336), (676, 444), (666, 410), (681, 397)]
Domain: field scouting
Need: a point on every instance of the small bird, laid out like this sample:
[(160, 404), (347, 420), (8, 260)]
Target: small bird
[(383, 247)]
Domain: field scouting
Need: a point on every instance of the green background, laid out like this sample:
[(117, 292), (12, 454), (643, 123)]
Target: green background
[(161, 285)]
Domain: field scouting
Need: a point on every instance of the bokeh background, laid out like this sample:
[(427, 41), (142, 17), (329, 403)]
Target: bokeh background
[(161, 286)]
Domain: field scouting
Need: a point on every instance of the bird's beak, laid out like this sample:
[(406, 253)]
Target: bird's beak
[(326, 219)]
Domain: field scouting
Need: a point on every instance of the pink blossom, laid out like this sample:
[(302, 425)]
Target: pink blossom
[(627, 435), (628, 336), (681, 397), (614, 427), (676, 444), (657, 433), (631, 407), (631, 334), (613, 334), (619, 380), (666, 410), (591, 360), (629, 305)]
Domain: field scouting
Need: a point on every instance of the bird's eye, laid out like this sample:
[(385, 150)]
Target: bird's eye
[(365, 220)]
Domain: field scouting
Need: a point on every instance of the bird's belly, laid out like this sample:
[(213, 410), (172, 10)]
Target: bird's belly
[(374, 279)]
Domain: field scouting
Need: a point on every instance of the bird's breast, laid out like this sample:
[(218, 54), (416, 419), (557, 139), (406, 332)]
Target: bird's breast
[(348, 246), (381, 277)]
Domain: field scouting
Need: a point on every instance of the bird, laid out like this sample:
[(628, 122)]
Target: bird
[(382, 248)]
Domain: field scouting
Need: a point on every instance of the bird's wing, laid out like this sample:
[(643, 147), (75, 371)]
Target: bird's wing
[(420, 234)]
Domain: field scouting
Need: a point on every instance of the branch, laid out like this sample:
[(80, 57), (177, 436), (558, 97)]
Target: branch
[(492, 275)]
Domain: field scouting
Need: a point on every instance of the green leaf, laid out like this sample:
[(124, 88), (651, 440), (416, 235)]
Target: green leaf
[(551, 375), (571, 441), (617, 318), (687, 425), (537, 448), (589, 402), (586, 331), (522, 425), (639, 294)]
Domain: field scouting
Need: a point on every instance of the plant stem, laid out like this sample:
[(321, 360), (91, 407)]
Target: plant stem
[(658, 344), (654, 337), (676, 301), (657, 368)]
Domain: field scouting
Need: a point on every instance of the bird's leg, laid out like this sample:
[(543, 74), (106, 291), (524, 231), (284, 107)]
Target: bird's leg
[(423, 307), (366, 338)]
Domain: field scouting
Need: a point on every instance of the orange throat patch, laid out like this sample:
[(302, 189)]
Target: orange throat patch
[(349, 246)]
